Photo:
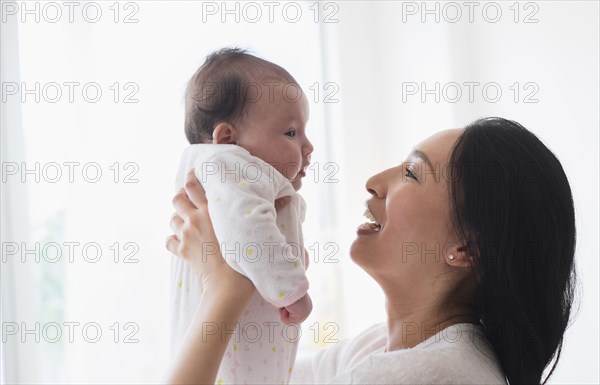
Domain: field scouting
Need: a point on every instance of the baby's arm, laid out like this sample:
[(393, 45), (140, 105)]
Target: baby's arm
[(244, 219)]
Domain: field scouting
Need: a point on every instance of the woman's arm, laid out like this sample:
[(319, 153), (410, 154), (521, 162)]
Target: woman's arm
[(226, 292), (204, 344)]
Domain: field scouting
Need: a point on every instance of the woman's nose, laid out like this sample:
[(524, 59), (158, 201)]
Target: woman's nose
[(375, 185)]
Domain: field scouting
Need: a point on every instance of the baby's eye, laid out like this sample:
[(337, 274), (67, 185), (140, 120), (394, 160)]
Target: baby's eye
[(291, 133)]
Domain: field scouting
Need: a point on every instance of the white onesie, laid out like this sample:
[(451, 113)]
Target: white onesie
[(264, 245)]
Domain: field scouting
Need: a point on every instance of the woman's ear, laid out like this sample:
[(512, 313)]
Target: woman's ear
[(459, 257), (224, 133)]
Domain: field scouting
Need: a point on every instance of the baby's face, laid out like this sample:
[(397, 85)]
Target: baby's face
[(274, 130)]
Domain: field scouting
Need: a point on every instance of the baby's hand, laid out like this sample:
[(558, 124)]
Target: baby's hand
[(296, 312)]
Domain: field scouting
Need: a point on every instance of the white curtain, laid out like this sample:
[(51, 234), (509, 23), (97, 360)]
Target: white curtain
[(16, 279)]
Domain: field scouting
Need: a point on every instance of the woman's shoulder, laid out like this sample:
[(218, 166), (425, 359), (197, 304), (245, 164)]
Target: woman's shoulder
[(459, 354), (339, 358)]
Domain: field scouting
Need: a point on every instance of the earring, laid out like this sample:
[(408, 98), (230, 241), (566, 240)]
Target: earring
[(451, 257)]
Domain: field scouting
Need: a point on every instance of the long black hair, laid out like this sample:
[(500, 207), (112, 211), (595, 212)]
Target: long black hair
[(512, 207)]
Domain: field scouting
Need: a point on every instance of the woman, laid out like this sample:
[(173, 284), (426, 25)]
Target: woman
[(472, 242)]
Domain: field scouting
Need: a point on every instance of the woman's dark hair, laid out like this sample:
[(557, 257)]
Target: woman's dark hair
[(512, 207), (218, 90)]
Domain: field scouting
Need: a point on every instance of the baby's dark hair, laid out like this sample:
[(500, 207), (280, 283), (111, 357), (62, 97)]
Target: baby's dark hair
[(217, 92)]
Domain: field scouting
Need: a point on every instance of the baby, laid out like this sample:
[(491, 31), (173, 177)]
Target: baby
[(245, 119)]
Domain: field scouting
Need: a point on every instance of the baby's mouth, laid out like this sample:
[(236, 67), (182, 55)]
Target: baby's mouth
[(302, 172)]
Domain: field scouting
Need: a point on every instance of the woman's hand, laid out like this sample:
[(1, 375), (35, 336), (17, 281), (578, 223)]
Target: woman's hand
[(195, 240)]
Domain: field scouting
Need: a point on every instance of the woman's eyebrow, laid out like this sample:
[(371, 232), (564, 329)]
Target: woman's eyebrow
[(420, 154)]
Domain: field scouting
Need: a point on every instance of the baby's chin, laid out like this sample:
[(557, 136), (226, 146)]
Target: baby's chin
[(297, 184)]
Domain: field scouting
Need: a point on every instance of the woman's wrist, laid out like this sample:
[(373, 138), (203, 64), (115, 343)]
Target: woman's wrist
[(228, 285), (223, 280)]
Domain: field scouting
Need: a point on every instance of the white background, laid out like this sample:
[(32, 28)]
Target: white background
[(361, 60)]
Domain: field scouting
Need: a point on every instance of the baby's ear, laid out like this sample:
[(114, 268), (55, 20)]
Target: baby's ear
[(224, 133)]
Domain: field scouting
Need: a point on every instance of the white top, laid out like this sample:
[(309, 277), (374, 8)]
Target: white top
[(264, 245), (459, 354)]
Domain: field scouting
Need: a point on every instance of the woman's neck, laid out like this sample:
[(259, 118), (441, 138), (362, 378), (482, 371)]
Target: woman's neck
[(412, 322)]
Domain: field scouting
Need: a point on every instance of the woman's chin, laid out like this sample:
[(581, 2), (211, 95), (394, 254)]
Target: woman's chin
[(357, 251)]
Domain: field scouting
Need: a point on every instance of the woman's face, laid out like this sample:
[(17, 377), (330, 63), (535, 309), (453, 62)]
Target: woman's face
[(411, 204)]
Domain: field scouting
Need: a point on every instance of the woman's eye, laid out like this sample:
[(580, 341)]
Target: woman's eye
[(410, 174), (291, 133)]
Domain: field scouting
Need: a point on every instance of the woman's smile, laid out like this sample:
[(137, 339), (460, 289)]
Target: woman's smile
[(369, 227)]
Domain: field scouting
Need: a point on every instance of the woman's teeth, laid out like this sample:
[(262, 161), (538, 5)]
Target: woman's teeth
[(370, 226), (369, 215), (373, 225)]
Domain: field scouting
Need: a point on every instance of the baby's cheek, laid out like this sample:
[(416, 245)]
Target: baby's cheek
[(290, 171)]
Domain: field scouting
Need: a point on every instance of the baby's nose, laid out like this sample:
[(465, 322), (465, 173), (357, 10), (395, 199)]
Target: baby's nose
[(308, 149)]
